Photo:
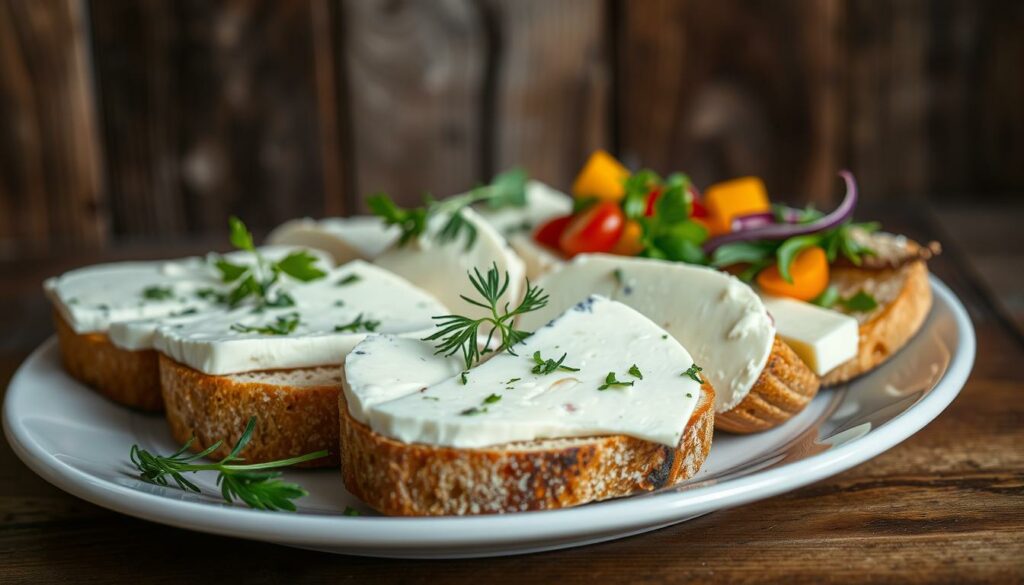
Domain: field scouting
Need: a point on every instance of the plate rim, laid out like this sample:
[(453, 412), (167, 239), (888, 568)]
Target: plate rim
[(623, 516)]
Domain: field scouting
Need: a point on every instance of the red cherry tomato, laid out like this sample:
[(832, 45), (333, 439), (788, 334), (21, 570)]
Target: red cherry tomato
[(698, 209), (551, 231), (595, 230), (651, 198)]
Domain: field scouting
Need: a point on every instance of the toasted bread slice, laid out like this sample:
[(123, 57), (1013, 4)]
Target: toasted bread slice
[(786, 385), (404, 479), (296, 410), (904, 298), (129, 378)]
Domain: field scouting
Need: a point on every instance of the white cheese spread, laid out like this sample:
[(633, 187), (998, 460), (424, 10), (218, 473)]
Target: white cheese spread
[(345, 238), (718, 318), (822, 338), (330, 316), (402, 390)]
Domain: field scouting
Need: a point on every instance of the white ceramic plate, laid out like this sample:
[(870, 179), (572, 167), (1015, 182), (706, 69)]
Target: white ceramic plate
[(79, 442)]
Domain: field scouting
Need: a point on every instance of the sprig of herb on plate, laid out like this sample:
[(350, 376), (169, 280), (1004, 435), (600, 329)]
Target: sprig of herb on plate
[(611, 382), (459, 334), (257, 279), (508, 189), (669, 233), (546, 366), (251, 483)]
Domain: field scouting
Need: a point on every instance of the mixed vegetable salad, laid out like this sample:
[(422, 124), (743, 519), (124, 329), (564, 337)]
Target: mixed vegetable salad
[(731, 225)]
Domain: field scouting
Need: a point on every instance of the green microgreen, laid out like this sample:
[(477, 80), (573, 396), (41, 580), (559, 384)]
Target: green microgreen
[(546, 366), (694, 373), (611, 382)]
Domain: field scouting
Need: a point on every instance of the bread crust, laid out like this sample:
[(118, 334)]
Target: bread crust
[(402, 479), (129, 378), (890, 328), (292, 421), (786, 385)]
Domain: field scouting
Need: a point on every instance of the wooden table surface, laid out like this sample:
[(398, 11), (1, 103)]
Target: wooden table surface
[(945, 506)]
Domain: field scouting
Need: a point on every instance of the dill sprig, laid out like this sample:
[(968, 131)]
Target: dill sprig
[(457, 333), (250, 483)]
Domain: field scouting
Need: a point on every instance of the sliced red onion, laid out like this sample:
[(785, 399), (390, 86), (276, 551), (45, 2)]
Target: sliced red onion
[(752, 220), (782, 231), (790, 214)]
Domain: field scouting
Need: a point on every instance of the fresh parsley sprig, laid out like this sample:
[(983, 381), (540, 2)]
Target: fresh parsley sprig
[(258, 279), (546, 366), (508, 189), (669, 233), (611, 382), (693, 372), (283, 325), (250, 483), (458, 334)]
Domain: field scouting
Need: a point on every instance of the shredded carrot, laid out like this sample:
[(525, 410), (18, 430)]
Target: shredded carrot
[(810, 276)]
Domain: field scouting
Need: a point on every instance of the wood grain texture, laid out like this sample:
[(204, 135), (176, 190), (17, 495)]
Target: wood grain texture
[(50, 171), (728, 88), (552, 85), (211, 109), (945, 506), (415, 81)]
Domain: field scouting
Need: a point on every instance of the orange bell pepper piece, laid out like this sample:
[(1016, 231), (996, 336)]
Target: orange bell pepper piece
[(603, 177), (731, 199), (810, 276), (630, 243)]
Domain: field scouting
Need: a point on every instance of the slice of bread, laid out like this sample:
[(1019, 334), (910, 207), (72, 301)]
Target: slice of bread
[(130, 378), (904, 298), (296, 410), (786, 385), (404, 479)]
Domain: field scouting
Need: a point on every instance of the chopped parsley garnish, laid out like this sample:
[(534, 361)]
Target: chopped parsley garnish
[(350, 511), (462, 377), (611, 382), (434, 398), (339, 303), (694, 373), (512, 380), (546, 366), (258, 279), (492, 399), (347, 280), (358, 324), (619, 277), (157, 293), (635, 372), (472, 411), (283, 325), (459, 334), (861, 302)]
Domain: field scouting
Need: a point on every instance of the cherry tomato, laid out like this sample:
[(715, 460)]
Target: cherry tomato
[(550, 232), (595, 230), (651, 198), (698, 209)]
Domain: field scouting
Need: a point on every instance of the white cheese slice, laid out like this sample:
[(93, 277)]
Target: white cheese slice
[(822, 338), (93, 298), (213, 344), (401, 390), (442, 269), (542, 203), (718, 318), (345, 238)]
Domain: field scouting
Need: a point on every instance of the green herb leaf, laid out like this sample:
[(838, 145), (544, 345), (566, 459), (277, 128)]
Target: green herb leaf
[(508, 189), (492, 399), (861, 302), (694, 373), (635, 372), (357, 325), (827, 298), (350, 511), (230, 272), (241, 238), (157, 293), (789, 249), (300, 265), (546, 366), (611, 382), (283, 325), (743, 253), (252, 483), (347, 280), (411, 222)]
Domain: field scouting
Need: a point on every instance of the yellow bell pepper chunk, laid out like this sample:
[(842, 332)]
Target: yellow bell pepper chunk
[(602, 177), (731, 199)]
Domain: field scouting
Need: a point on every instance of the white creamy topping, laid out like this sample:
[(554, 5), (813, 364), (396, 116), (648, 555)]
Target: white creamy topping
[(345, 238), (539, 259), (822, 338), (403, 391), (714, 315), (333, 314), (92, 298), (542, 203), (442, 268)]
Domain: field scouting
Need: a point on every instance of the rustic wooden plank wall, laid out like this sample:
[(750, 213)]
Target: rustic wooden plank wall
[(123, 119)]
